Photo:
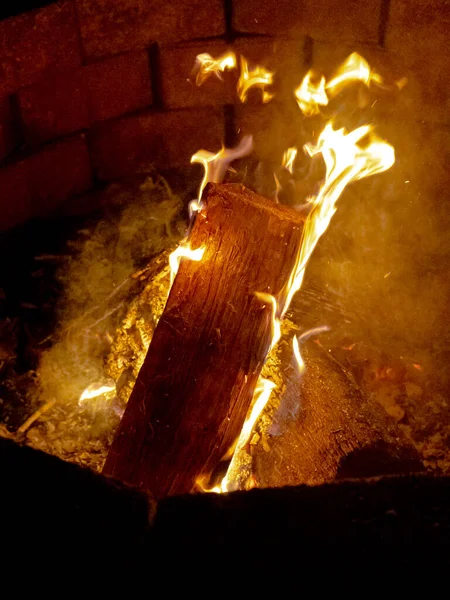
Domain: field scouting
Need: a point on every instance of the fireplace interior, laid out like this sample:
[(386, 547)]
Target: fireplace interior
[(101, 109)]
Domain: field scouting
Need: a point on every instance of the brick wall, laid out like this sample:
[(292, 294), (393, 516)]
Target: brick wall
[(93, 90)]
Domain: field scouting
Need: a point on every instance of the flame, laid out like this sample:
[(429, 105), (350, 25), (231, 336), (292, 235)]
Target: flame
[(345, 161), (354, 68), (183, 252), (216, 165), (301, 338), (297, 355), (276, 323), (257, 77), (289, 158), (206, 65), (94, 390), (261, 396), (311, 96)]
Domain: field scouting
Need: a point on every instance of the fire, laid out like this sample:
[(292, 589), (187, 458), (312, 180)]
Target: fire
[(354, 68), (345, 161), (216, 165), (257, 77), (311, 96), (261, 396), (206, 65), (94, 390), (183, 252), (276, 325), (348, 156), (297, 355), (289, 158)]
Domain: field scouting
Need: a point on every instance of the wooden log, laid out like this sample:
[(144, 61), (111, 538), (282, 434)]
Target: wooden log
[(323, 428), (195, 386)]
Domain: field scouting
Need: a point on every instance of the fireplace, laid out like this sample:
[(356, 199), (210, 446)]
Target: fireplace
[(103, 107)]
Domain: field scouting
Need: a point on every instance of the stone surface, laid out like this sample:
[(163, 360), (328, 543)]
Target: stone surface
[(15, 205), (348, 20), (38, 43), (117, 86), (9, 129), (165, 140), (114, 26), (73, 101), (417, 36), (57, 172), (54, 107)]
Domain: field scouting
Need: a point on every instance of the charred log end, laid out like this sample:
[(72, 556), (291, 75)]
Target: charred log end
[(380, 458)]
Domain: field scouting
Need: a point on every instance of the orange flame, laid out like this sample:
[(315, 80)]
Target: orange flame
[(345, 161), (206, 65), (354, 68), (257, 77), (216, 165), (311, 96), (289, 158), (183, 252), (94, 390)]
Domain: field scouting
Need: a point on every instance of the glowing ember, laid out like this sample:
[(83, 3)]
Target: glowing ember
[(183, 252), (206, 65), (258, 77), (311, 96)]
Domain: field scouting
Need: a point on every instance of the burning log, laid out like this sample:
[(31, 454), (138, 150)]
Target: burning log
[(197, 381), (320, 427)]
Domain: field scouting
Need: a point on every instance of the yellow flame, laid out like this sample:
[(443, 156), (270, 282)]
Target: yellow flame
[(345, 161), (311, 96), (183, 252), (257, 77), (289, 158), (216, 165), (94, 390), (261, 396), (354, 68), (206, 65), (276, 323), (297, 355)]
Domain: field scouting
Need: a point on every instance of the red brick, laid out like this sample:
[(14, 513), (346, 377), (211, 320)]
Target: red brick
[(59, 171), (337, 20), (118, 86), (15, 205), (165, 140), (38, 43), (178, 82), (54, 107), (417, 37), (9, 130), (114, 26)]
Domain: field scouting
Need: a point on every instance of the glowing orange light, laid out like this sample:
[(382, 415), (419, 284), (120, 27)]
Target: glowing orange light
[(183, 252), (257, 77), (206, 65), (311, 96)]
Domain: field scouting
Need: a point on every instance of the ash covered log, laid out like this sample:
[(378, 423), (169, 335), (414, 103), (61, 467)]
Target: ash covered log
[(197, 381), (320, 427)]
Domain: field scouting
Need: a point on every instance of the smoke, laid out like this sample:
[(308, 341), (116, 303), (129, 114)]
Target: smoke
[(99, 282)]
